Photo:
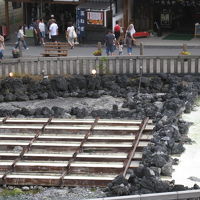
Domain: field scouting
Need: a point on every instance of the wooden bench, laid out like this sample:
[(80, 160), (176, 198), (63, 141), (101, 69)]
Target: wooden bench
[(56, 49)]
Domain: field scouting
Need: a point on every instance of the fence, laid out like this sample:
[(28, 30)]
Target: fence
[(113, 65), (182, 195)]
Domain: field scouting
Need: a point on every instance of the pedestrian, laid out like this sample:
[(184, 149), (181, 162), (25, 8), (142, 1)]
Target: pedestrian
[(110, 43), (21, 38), (36, 32), (2, 46), (42, 31), (117, 31), (50, 22), (71, 35), (53, 31), (129, 42), (132, 30)]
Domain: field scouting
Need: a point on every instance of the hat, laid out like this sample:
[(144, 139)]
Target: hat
[(52, 16)]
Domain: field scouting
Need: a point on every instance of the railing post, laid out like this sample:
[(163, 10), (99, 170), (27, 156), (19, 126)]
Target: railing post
[(141, 49), (99, 46), (20, 48), (184, 47)]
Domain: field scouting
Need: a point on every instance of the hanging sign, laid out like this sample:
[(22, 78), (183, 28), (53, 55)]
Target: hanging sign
[(80, 21)]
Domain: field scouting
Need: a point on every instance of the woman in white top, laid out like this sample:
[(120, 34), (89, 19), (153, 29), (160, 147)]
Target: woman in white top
[(2, 46), (21, 38), (131, 29), (42, 30), (71, 35)]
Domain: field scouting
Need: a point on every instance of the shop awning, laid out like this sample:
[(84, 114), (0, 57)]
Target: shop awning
[(95, 5), (49, 1)]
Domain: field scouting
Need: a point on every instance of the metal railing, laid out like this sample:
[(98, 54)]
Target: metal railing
[(181, 195)]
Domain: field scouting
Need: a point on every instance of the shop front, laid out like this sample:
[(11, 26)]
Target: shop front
[(177, 15), (64, 11), (93, 19)]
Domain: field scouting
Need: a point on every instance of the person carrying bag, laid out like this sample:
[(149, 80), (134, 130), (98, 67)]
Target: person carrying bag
[(71, 35)]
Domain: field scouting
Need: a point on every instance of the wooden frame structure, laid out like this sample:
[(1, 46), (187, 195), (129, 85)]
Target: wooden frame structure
[(65, 152)]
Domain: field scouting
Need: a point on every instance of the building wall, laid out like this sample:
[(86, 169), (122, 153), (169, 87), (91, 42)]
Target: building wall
[(15, 15)]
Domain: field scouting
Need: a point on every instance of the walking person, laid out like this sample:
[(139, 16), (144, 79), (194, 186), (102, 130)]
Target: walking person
[(21, 38), (2, 46), (53, 31), (36, 32), (110, 43), (71, 35), (117, 31), (129, 42), (42, 31)]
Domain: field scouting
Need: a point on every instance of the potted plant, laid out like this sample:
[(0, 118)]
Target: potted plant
[(97, 52), (15, 53)]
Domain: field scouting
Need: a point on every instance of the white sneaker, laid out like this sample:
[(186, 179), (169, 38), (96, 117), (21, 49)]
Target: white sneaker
[(27, 48)]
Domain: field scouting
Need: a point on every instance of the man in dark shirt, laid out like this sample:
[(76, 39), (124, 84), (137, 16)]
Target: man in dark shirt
[(110, 43), (36, 32)]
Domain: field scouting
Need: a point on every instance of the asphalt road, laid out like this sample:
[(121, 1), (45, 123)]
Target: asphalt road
[(88, 50)]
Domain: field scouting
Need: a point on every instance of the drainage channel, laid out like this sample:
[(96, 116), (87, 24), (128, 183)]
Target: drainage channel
[(67, 152)]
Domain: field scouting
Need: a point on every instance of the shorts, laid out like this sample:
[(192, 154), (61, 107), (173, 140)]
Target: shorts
[(71, 40), (109, 49), (117, 35), (42, 34), (130, 50), (53, 38), (1, 54)]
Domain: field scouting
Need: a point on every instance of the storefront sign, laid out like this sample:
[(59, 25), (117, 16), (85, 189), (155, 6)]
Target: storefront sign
[(80, 21), (95, 18)]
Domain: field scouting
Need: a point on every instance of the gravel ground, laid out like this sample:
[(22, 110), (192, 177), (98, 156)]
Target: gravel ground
[(76, 193), (104, 102)]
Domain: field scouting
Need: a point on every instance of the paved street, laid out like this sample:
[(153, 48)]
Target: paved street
[(152, 46)]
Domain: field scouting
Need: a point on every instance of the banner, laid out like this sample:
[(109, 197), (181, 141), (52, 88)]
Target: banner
[(95, 18)]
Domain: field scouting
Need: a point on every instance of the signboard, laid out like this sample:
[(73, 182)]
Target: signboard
[(165, 19), (80, 22), (95, 18)]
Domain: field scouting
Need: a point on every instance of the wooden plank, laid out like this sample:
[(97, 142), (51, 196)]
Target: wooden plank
[(50, 176), (4, 126), (71, 144), (73, 137), (26, 120)]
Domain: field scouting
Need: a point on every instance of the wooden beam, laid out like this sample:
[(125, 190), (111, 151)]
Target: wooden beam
[(125, 10), (7, 16)]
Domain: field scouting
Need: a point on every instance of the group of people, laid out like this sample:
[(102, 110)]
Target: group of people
[(113, 40), (46, 31), (117, 39)]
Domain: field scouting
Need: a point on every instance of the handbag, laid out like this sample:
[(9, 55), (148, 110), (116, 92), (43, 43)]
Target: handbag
[(74, 35)]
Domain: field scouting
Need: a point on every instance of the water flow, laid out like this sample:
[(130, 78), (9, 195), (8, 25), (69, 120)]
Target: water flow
[(188, 170)]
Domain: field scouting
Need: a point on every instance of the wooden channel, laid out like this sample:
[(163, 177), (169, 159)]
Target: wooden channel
[(67, 152)]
